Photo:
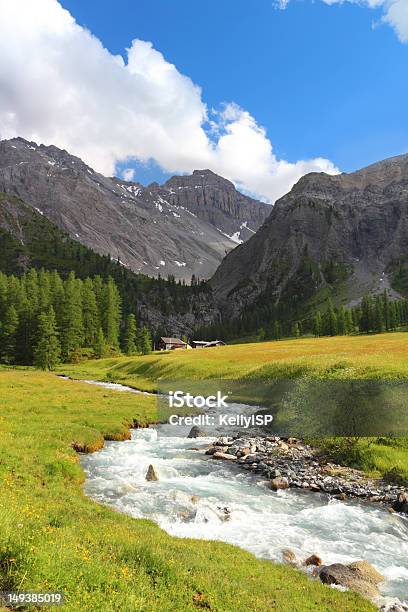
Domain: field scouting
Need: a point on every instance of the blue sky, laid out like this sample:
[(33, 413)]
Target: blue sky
[(259, 94), (321, 79)]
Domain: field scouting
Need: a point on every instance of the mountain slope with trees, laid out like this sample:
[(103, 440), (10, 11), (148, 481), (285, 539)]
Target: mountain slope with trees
[(331, 238), (182, 228), (167, 307)]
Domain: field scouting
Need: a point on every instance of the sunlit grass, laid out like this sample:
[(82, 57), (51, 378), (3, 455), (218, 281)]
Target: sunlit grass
[(53, 538)]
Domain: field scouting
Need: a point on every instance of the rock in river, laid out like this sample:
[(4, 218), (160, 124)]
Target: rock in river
[(196, 432), (401, 503), (151, 474), (346, 576), (279, 483)]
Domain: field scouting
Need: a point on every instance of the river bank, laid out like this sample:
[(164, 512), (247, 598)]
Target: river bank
[(55, 538), (292, 463)]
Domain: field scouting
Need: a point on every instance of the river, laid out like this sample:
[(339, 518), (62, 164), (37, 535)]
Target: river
[(200, 497)]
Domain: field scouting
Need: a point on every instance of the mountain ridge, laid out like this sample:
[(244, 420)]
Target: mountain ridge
[(332, 237), (182, 228)]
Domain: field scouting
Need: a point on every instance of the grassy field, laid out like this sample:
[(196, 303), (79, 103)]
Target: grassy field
[(368, 357), (53, 538)]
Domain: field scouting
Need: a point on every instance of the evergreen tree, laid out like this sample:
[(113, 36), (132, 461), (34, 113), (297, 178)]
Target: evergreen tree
[(100, 348), (386, 310), (8, 335), (317, 324), (296, 330), (379, 322), (261, 334), (393, 317), (330, 322), (90, 313), (277, 332), (131, 335), (145, 341), (72, 336), (111, 314), (341, 321), (48, 350), (349, 322)]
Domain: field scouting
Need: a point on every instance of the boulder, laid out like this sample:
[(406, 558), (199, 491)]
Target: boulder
[(196, 432), (401, 503), (151, 474), (365, 571), (279, 483), (288, 556), (313, 560), (344, 576), (216, 449), (226, 456)]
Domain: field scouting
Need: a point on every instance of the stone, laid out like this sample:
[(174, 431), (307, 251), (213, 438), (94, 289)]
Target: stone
[(313, 560), (216, 449), (195, 499), (365, 571), (225, 456), (196, 432), (151, 474), (288, 556), (279, 483), (401, 503), (342, 575)]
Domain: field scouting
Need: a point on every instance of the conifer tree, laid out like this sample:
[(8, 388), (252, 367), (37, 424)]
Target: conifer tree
[(72, 336), (145, 341), (296, 330), (100, 348), (48, 350), (8, 335), (317, 324), (393, 318), (90, 313), (111, 313), (379, 322), (130, 335), (341, 321), (277, 333), (330, 324), (349, 323)]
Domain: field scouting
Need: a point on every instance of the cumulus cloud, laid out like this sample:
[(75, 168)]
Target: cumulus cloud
[(59, 85), (395, 12), (128, 174)]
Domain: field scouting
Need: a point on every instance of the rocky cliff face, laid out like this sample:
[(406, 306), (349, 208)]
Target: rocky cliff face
[(28, 239), (336, 236), (185, 227)]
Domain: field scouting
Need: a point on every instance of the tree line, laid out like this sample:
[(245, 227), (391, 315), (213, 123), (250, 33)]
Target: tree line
[(45, 320), (374, 314)]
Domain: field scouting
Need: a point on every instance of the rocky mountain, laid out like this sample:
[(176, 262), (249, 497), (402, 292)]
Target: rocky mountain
[(182, 228), (29, 240), (331, 236)]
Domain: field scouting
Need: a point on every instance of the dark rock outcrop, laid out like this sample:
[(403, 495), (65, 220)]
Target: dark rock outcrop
[(196, 432), (180, 229), (151, 474), (343, 231)]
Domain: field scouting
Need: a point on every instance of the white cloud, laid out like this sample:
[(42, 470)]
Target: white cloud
[(59, 85), (128, 174)]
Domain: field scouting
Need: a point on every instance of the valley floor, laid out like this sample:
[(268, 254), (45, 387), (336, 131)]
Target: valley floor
[(382, 356), (53, 538)]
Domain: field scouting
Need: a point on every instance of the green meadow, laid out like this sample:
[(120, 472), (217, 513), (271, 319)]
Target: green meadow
[(53, 538), (374, 357)]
